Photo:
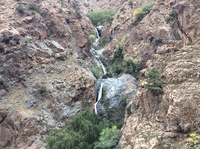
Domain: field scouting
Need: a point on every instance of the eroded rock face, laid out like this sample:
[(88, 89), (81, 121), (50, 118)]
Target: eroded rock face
[(174, 49), (42, 82)]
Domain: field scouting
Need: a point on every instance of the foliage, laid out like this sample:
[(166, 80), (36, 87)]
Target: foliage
[(101, 16), (128, 110), (140, 13), (92, 38), (97, 71), (103, 41), (33, 6), (171, 17), (117, 59), (154, 81), (132, 67), (194, 139), (82, 131), (130, 3), (52, 23), (60, 10), (20, 9), (109, 138), (42, 89), (27, 39), (78, 14), (115, 115)]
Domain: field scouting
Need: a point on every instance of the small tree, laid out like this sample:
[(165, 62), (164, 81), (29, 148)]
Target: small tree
[(109, 138), (117, 59), (154, 81), (20, 9)]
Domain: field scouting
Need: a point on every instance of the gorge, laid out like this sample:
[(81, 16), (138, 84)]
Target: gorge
[(50, 75)]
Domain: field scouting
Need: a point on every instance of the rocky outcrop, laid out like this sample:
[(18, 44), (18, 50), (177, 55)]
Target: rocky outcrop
[(44, 70), (173, 48)]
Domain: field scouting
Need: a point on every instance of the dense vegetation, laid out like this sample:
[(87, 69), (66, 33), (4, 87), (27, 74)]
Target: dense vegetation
[(85, 131), (127, 66), (97, 71), (141, 12), (154, 81), (100, 17)]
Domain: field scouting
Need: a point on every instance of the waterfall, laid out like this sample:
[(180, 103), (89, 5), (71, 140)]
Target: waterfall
[(97, 105), (96, 42), (103, 68)]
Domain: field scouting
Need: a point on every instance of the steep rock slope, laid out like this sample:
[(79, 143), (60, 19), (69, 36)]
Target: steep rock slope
[(173, 47), (44, 69)]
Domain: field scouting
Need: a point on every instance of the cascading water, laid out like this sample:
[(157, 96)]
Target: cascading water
[(116, 88), (98, 105)]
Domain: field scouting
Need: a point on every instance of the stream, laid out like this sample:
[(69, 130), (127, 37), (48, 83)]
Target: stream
[(116, 88)]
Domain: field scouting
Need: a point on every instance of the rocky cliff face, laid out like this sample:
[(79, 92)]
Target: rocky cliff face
[(45, 76), (44, 63), (173, 47), (160, 121)]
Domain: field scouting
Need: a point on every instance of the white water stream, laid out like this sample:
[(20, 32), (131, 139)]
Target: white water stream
[(116, 88)]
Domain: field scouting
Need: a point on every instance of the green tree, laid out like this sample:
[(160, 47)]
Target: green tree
[(117, 60), (154, 81), (82, 131), (20, 9), (140, 13), (101, 16), (109, 138)]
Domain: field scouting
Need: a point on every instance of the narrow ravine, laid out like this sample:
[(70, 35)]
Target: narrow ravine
[(115, 88)]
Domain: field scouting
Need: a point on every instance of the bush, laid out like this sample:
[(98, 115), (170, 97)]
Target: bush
[(130, 3), (128, 110), (171, 17), (140, 13), (97, 71), (194, 139), (101, 16), (33, 6), (60, 10), (78, 14), (117, 60), (92, 38), (82, 131), (20, 9), (109, 138), (132, 67), (27, 39), (154, 81), (42, 89)]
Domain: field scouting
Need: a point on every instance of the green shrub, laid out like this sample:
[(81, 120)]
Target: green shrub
[(33, 6), (132, 67), (109, 138), (42, 89), (20, 9), (27, 39), (154, 81), (78, 14), (128, 110), (97, 71), (194, 139), (140, 13), (3, 70), (103, 41), (101, 16), (117, 60), (130, 3), (60, 10), (82, 131), (92, 38), (115, 115), (171, 17)]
